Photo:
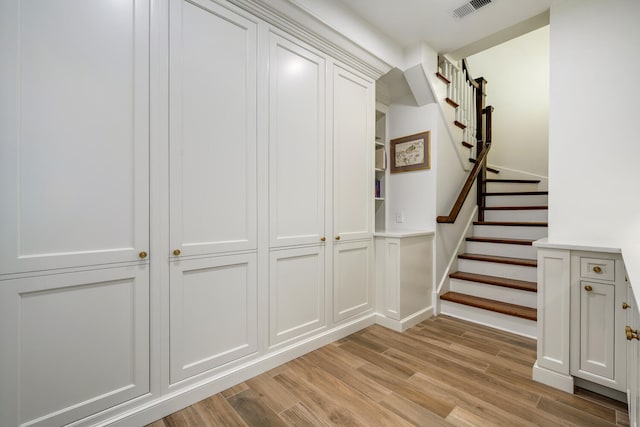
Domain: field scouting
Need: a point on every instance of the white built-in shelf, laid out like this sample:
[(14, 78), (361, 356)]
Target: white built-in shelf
[(379, 170), (379, 144), (379, 199)]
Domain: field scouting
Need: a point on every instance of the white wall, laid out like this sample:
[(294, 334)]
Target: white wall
[(517, 73), (412, 192), (594, 148)]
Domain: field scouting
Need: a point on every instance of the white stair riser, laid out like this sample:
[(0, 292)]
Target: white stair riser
[(511, 186), (495, 293), (502, 249), (500, 321), (535, 200), (509, 232), (509, 271), (517, 215)]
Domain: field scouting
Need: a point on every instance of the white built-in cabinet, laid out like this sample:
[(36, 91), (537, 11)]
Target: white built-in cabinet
[(581, 319), (186, 194), (598, 292)]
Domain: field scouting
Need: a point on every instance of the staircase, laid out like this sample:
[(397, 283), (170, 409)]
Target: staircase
[(495, 284)]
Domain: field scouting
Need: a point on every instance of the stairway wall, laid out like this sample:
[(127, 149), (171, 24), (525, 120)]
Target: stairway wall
[(517, 73)]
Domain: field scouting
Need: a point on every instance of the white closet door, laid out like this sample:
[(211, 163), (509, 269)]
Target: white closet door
[(73, 344), (74, 133), (352, 279), (296, 143), (212, 129), (296, 292), (353, 136), (213, 312)]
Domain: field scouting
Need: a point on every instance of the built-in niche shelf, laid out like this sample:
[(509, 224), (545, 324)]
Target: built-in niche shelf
[(380, 167)]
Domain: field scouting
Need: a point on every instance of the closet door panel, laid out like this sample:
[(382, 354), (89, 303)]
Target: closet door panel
[(352, 279), (73, 344), (74, 126), (353, 136), (296, 143), (296, 292), (212, 129), (213, 312)]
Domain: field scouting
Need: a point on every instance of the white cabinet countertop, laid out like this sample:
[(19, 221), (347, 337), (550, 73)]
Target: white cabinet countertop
[(399, 234)]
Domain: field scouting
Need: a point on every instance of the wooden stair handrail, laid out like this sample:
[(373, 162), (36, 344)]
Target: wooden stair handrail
[(457, 206)]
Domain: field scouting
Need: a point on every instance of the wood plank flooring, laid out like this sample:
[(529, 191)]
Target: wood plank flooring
[(441, 372)]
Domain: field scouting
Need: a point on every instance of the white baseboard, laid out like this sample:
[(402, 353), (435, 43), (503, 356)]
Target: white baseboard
[(553, 379), (174, 401), (406, 323)]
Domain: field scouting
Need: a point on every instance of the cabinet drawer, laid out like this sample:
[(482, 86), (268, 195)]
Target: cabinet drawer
[(595, 268)]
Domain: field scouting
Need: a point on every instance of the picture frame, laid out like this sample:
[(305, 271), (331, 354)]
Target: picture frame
[(411, 152)]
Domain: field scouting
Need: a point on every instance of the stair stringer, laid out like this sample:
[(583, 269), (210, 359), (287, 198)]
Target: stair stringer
[(452, 265), (419, 81)]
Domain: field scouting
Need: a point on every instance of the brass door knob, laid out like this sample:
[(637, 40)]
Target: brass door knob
[(322, 239), (143, 254), (176, 252), (597, 269), (625, 306), (337, 237), (631, 334), (588, 288)]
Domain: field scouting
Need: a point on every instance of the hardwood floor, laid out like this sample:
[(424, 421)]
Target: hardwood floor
[(443, 371)]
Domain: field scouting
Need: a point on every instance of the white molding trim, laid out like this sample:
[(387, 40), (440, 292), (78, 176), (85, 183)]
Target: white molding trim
[(553, 379), (299, 23), (406, 323)]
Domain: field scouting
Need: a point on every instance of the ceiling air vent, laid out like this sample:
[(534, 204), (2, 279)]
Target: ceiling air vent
[(470, 7)]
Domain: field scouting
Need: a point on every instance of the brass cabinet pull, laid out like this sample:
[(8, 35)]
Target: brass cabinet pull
[(337, 237), (322, 239), (176, 252), (588, 288), (631, 334), (625, 306), (143, 254), (597, 269)]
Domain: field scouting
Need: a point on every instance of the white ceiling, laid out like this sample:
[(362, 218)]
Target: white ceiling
[(408, 22)]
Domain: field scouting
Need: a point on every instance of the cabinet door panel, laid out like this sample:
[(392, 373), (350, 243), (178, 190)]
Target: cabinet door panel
[(597, 333), (296, 143), (212, 311), (353, 136), (296, 293), (73, 344), (74, 126), (212, 129), (352, 281)]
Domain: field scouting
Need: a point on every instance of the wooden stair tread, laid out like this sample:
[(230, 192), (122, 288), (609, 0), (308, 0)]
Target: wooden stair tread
[(443, 78), (466, 144), (500, 259), (495, 306), (460, 124), (513, 223), (515, 208), (517, 193), (451, 102), (516, 181), (497, 281), (524, 242)]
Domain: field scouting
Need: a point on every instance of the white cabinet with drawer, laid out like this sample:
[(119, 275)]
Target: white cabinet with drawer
[(597, 319)]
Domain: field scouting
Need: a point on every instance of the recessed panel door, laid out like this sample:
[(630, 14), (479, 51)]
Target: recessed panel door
[(74, 132)]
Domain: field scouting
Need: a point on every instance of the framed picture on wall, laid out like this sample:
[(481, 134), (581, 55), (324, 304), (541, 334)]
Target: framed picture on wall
[(410, 153)]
